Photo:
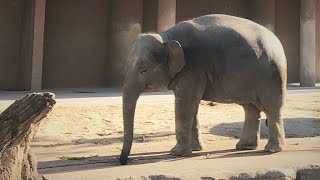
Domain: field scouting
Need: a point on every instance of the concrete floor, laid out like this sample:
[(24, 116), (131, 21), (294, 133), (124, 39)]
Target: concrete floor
[(219, 161)]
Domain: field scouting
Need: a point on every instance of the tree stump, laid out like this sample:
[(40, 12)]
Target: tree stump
[(18, 125)]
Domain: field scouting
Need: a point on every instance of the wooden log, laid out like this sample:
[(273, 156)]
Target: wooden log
[(18, 125)]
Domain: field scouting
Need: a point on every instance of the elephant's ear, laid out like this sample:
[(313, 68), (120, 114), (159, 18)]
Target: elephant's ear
[(175, 57)]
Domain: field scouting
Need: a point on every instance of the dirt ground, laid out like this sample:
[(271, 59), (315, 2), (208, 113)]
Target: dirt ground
[(84, 132), (100, 123)]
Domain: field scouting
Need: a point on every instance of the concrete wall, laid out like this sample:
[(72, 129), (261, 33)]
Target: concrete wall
[(262, 12), (11, 23), (26, 47), (39, 9), (76, 43), (231, 7), (287, 28), (158, 15), (307, 43), (126, 24), (87, 43), (21, 43), (150, 16), (166, 14), (188, 9)]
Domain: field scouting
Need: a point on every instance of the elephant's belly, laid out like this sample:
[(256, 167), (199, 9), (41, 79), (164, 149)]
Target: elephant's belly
[(225, 94)]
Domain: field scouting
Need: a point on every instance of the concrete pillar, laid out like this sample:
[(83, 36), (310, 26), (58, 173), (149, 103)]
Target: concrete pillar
[(166, 14), (37, 48), (126, 24), (307, 43), (287, 29), (26, 47), (158, 15), (150, 16), (263, 12)]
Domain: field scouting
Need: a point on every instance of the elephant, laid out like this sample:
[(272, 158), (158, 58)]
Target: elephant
[(219, 58)]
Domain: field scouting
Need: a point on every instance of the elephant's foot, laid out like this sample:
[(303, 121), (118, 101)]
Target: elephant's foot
[(197, 145), (246, 146), (274, 147), (179, 150)]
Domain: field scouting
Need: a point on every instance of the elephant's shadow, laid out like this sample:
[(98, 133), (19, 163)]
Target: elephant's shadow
[(294, 128)]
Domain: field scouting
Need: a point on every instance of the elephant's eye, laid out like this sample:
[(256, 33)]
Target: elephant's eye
[(144, 71)]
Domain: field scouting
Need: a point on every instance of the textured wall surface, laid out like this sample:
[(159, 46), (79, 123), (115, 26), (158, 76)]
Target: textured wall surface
[(150, 15), (76, 43), (10, 41), (262, 12), (87, 43), (188, 9), (307, 43), (287, 28), (126, 25)]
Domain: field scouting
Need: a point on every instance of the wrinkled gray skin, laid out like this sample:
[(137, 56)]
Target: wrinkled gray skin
[(217, 58)]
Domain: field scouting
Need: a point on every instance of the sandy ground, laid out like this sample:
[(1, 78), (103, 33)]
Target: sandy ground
[(86, 124), (96, 118), (101, 123)]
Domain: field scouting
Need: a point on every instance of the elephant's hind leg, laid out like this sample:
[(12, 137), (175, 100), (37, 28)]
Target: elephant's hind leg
[(197, 143), (276, 133), (251, 130)]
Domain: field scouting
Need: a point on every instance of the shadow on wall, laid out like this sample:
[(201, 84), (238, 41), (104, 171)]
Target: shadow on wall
[(294, 128)]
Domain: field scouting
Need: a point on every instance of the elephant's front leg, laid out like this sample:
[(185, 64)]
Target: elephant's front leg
[(184, 122), (187, 129), (187, 99)]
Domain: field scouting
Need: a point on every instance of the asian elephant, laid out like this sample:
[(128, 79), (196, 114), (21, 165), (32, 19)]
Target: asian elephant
[(218, 58)]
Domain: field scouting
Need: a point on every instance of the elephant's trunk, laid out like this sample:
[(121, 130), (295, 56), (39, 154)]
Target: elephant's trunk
[(129, 100)]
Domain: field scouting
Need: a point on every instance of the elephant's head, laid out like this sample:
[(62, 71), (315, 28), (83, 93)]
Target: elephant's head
[(152, 64)]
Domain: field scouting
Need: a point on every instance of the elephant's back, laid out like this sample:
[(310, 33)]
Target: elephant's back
[(225, 37), (238, 54), (227, 23)]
